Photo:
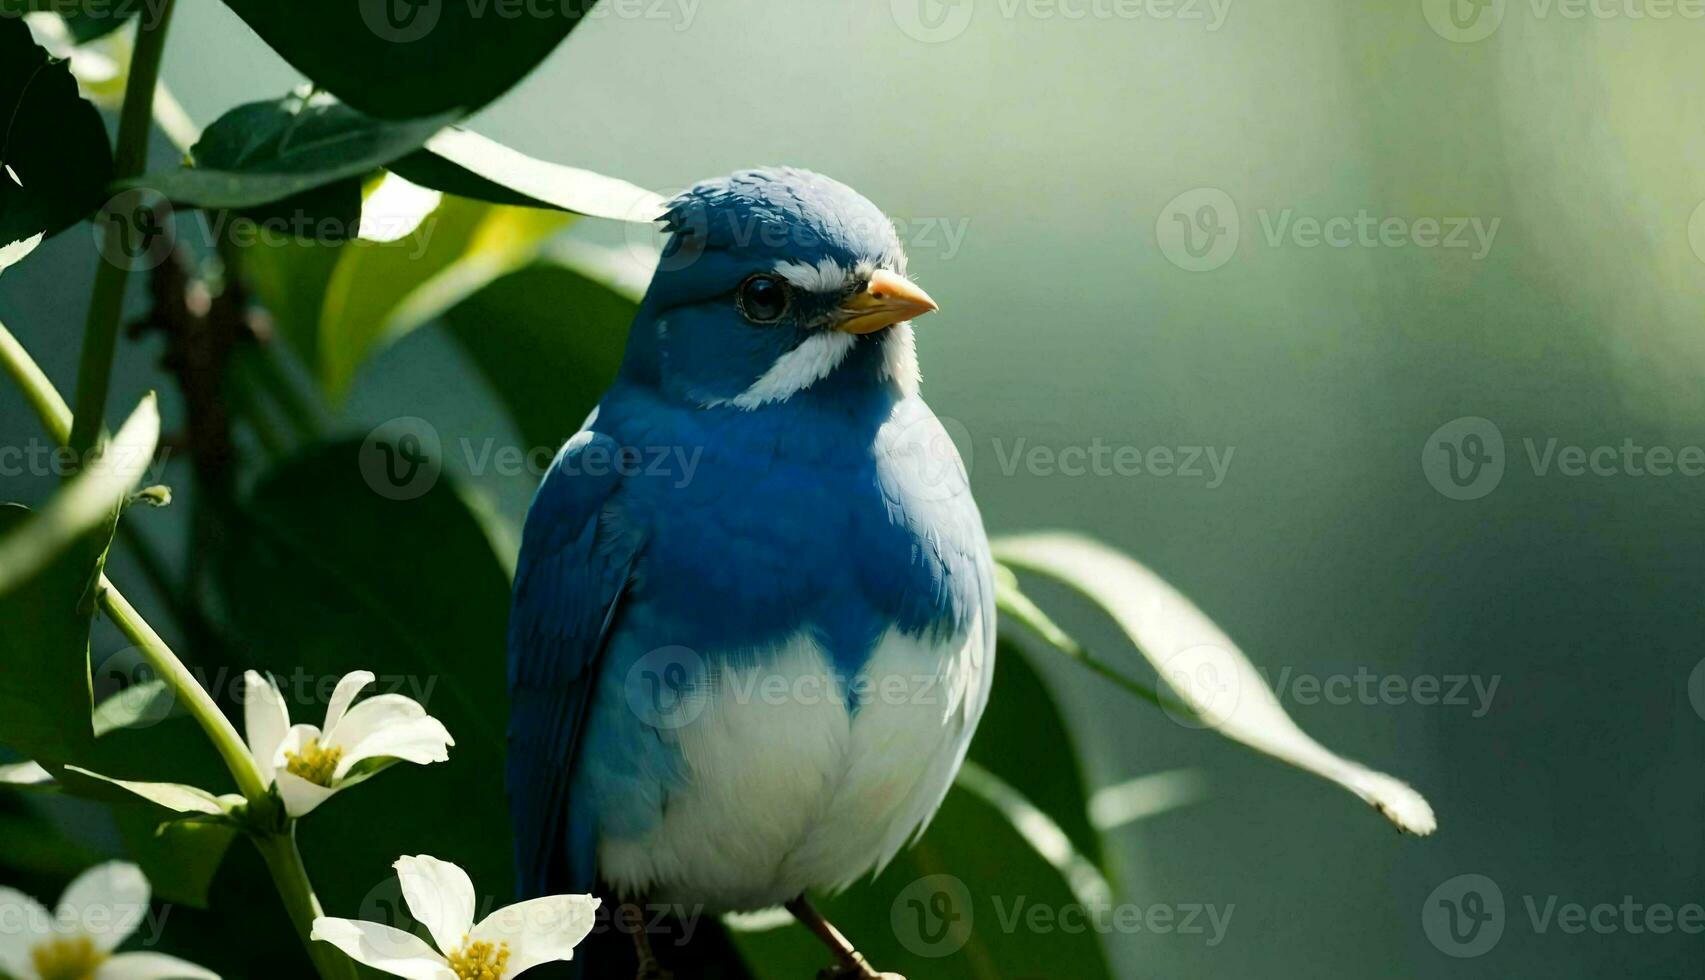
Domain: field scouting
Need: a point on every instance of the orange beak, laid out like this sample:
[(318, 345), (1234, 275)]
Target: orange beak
[(886, 300)]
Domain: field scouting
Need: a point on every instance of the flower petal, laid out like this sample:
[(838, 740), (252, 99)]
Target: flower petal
[(399, 953), (421, 741), (300, 796), (542, 930), (105, 903), (440, 896), (265, 719), (151, 966), (23, 923), (343, 696), (373, 714)]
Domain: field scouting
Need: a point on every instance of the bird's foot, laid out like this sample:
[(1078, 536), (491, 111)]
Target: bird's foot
[(650, 969)]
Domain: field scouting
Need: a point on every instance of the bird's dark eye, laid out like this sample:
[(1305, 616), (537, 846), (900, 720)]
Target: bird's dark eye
[(763, 299)]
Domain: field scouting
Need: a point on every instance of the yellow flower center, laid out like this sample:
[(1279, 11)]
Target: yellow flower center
[(67, 959), (480, 961), (315, 762)]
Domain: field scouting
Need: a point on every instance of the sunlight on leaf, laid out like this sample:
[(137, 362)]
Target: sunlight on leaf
[(395, 208), (378, 292), (1040, 830), (136, 706), (90, 498), (172, 796), (554, 184), (14, 253), (1199, 662), (1121, 804), (25, 775)]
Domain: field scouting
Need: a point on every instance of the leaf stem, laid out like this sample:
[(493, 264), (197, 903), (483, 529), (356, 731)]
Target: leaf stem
[(1018, 607), (106, 302), (289, 875), (189, 691)]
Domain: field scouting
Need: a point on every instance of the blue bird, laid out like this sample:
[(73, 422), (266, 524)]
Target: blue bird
[(753, 620)]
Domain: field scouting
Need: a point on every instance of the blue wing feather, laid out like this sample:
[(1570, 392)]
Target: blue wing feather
[(575, 560)]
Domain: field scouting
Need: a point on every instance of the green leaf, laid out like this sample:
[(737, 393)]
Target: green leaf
[(171, 796), (180, 863), (951, 908), (1023, 741), (27, 775), (462, 162), (180, 858), (14, 253), (44, 648), (379, 291), (289, 277), (90, 22), (1201, 664), (136, 706), (265, 152), (549, 338), (55, 162), (409, 58), (329, 574), (89, 500)]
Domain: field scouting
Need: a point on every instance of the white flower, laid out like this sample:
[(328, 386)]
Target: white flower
[(76, 942), (310, 764), (506, 943)]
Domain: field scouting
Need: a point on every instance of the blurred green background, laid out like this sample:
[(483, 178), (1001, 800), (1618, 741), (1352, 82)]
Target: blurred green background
[(1033, 158)]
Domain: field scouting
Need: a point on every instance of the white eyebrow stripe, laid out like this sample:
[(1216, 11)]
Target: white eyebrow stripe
[(826, 276), (794, 371)]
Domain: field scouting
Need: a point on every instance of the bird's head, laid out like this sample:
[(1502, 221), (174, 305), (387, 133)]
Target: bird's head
[(772, 283)]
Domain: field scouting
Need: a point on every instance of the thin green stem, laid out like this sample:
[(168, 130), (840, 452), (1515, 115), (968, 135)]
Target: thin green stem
[(38, 391), (289, 875), (106, 302), (1017, 607), (188, 690)]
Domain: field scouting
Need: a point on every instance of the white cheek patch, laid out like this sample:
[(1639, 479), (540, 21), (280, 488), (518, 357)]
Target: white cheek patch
[(795, 371), (900, 358), (827, 276)]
